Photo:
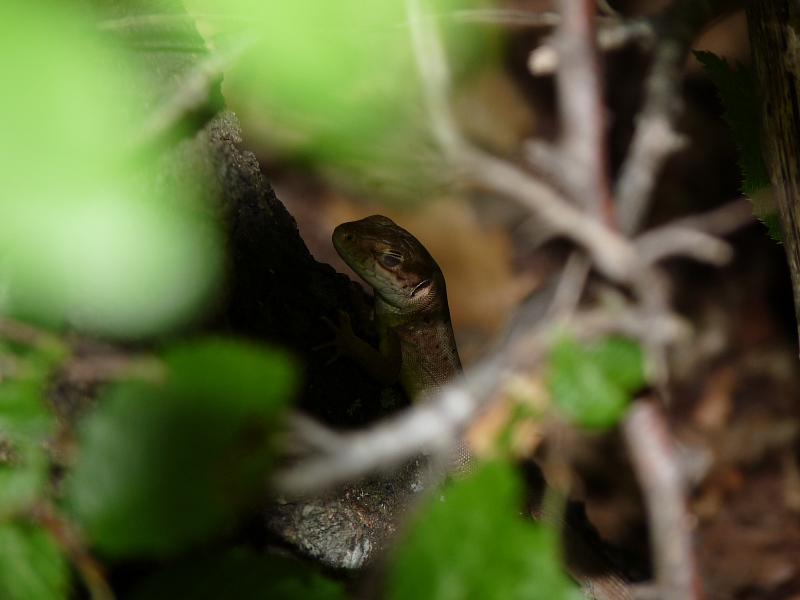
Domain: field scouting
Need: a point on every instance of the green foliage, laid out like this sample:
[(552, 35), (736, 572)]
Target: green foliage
[(25, 423), (593, 384), (337, 81), (83, 238), (31, 566), (23, 413), (738, 90), (164, 466), (22, 478), (472, 543), (238, 575)]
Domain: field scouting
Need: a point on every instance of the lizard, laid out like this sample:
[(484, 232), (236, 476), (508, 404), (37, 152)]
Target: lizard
[(417, 346)]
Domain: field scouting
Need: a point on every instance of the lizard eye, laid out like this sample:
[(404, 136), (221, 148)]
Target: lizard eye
[(390, 260)]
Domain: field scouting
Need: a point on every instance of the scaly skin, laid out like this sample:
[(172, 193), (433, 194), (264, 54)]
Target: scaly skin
[(417, 347)]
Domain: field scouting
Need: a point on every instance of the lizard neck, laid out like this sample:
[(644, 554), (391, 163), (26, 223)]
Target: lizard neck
[(427, 344)]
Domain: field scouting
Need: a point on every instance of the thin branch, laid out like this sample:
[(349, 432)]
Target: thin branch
[(583, 129), (435, 426), (29, 335), (655, 139), (570, 287), (657, 469), (65, 535), (696, 236), (114, 367), (507, 17)]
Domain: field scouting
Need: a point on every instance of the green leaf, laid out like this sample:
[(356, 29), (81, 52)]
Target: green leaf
[(31, 566), (22, 478), (738, 89), (621, 360), (85, 239), (336, 82), (238, 575), (23, 412), (472, 544), (593, 385), (163, 466)]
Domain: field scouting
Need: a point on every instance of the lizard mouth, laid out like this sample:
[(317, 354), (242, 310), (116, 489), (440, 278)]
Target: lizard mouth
[(421, 286)]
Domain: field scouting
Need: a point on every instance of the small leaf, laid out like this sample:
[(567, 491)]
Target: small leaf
[(621, 360), (593, 385), (240, 575), (163, 466), (472, 543), (738, 89), (31, 566)]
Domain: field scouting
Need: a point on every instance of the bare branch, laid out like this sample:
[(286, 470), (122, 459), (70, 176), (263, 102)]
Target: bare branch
[(435, 426), (90, 570), (695, 236), (657, 469), (508, 17), (654, 139), (583, 128), (28, 335)]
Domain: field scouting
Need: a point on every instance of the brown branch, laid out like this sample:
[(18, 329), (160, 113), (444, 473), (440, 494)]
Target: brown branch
[(697, 236), (29, 335), (656, 467), (329, 457), (583, 128), (66, 536), (655, 139)]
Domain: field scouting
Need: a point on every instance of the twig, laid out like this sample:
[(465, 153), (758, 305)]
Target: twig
[(611, 35), (508, 17), (657, 469), (655, 138), (719, 221), (90, 569), (695, 236), (583, 128), (435, 425), (28, 335), (108, 368), (570, 287)]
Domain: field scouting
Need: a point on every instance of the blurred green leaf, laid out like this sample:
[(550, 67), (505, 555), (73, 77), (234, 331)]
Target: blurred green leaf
[(621, 360), (31, 566), (84, 238), (23, 412), (472, 543), (593, 384), (22, 478), (337, 83), (161, 467), (738, 89), (238, 575)]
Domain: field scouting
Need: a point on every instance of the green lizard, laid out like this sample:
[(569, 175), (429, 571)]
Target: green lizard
[(417, 346)]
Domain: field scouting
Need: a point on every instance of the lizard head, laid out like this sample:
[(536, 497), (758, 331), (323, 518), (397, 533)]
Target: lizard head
[(392, 261)]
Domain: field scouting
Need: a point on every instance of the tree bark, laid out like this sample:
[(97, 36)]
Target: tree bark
[(774, 28)]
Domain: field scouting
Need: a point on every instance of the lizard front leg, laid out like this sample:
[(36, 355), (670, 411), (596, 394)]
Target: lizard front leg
[(382, 363)]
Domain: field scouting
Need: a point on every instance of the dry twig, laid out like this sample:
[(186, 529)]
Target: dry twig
[(662, 483)]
